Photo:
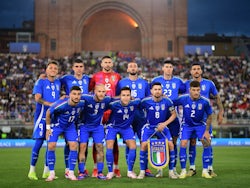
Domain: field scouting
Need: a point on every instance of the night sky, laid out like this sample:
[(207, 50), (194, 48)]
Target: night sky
[(228, 17)]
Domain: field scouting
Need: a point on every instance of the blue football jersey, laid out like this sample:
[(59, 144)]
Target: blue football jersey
[(64, 115), (123, 116), (207, 88), (50, 91), (69, 80), (171, 88), (139, 87), (157, 112), (93, 110), (195, 112)]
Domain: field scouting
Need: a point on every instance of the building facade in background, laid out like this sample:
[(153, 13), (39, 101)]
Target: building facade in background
[(150, 28)]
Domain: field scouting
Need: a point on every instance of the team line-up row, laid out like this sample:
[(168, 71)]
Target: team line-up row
[(141, 108)]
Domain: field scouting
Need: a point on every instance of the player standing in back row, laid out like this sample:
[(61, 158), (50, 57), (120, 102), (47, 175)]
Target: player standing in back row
[(139, 89), (172, 86), (46, 92), (209, 91), (109, 79)]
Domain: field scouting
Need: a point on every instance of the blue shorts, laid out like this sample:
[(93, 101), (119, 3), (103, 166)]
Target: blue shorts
[(174, 128), (97, 133), (126, 133), (210, 132), (148, 131), (188, 132), (70, 133), (39, 131)]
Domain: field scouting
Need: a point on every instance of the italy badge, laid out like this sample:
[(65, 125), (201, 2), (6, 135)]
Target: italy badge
[(158, 153)]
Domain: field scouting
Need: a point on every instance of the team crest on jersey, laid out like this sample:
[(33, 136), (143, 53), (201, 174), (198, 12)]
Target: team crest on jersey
[(157, 108), (102, 105), (78, 110), (131, 108), (133, 86), (173, 85), (97, 106), (203, 87), (57, 87), (162, 106), (167, 86), (80, 82), (193, 106), (140, 86), (113, 78), (125, 110), (158, 153), (199, 106)]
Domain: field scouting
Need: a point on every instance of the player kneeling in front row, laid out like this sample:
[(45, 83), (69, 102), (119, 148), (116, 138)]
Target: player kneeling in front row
[(160, 112), (196, 120), (91, 125), (61, 118), (120, 121)]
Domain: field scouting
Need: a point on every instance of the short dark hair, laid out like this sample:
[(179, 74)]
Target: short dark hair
[(168, 62), (155, 84), (195, 83), (196, 63), (106, 57), (77, 88), (77, 60), (126, 89), (54, 62)]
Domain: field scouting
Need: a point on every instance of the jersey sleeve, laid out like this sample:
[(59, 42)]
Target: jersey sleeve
[(213, 89), (147, 89), (92, 83), (118, 88), (38, 89), (208, 108), (182, 88)]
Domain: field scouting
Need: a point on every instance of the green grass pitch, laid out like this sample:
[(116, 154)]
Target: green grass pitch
[(232, 164)]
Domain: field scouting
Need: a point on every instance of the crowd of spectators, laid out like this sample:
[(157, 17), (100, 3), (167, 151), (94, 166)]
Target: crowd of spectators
[(18, 74)]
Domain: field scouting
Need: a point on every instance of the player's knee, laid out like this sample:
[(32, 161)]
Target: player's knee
[(192, 142), (206, 143), (171, 145), (144, 146), (52, 146)]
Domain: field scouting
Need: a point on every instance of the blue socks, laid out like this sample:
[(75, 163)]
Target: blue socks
[(35, 151), (66, 155), (183, 157), (192, 154), (109, 159), (143, 160), (51, 159), (131, 159)]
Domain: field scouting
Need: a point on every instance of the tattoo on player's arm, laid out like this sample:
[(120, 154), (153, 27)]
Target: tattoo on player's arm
[(41, 101)]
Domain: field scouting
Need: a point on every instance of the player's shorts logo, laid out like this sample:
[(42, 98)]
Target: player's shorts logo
[(158, 153)]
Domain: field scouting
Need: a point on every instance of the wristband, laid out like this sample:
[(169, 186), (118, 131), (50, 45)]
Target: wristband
[(48, 127)]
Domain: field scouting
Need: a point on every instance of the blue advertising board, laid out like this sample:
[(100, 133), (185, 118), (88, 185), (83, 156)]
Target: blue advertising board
[(17, 143), (25, 47), (198, 49)]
